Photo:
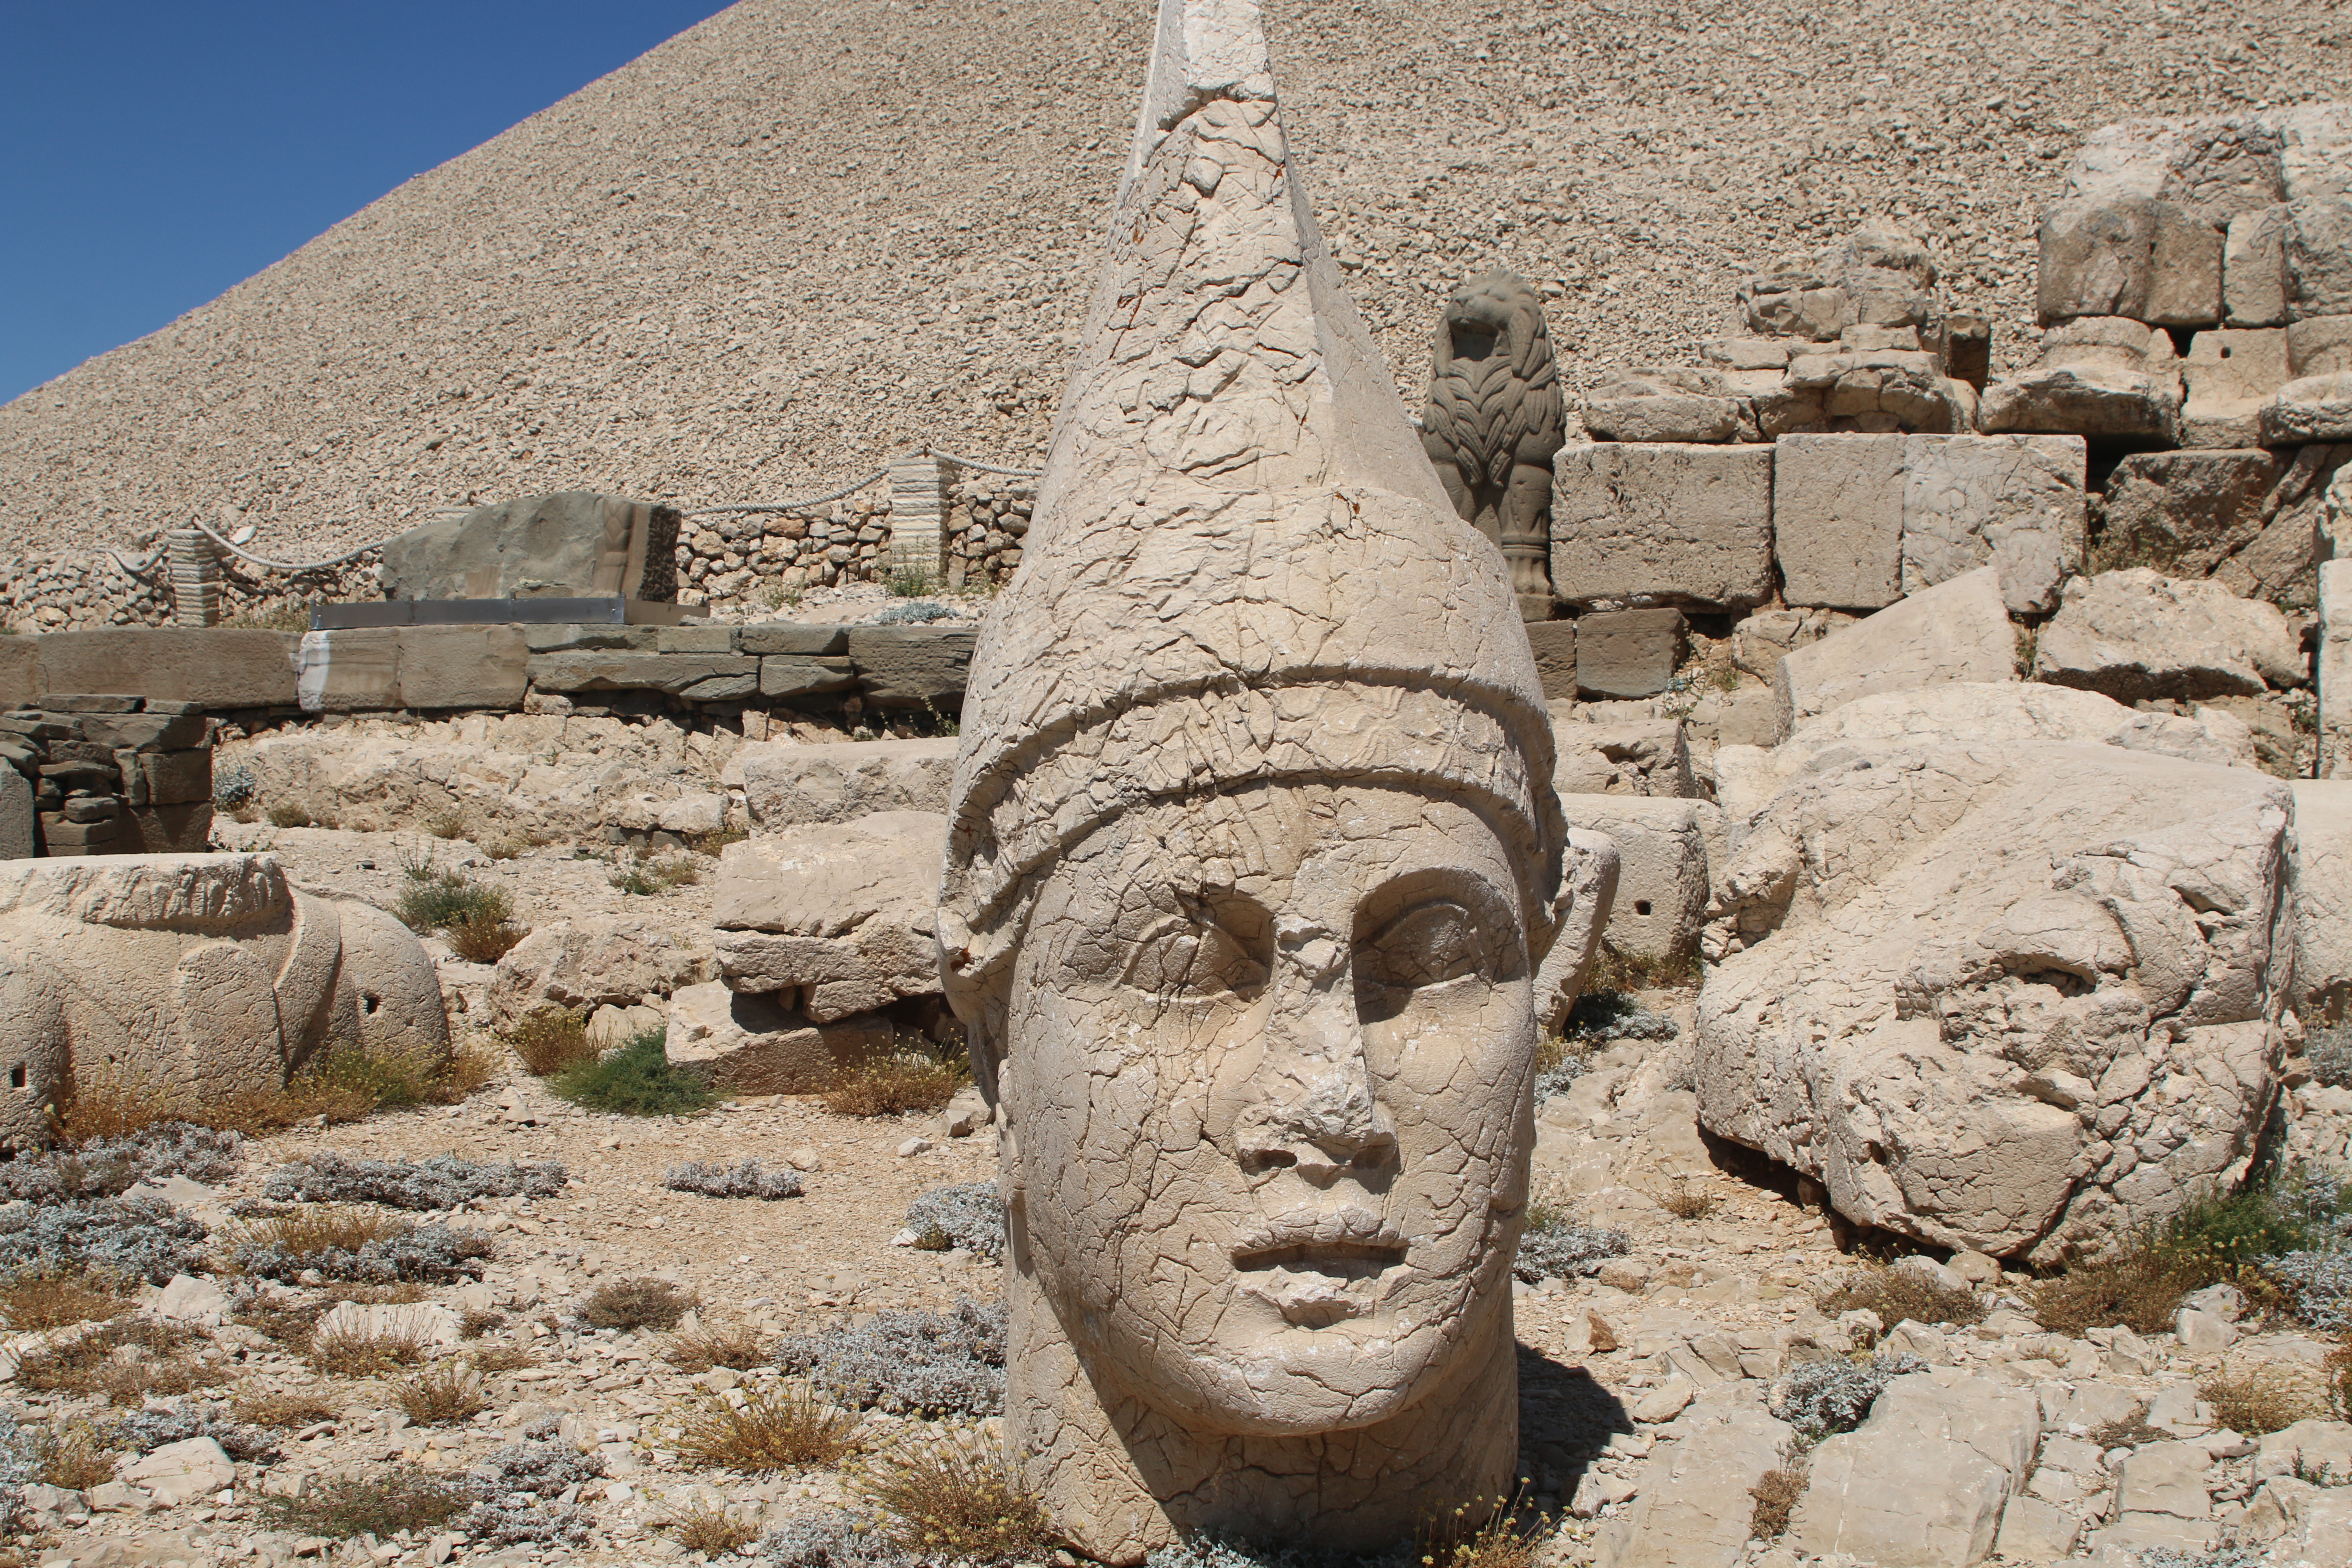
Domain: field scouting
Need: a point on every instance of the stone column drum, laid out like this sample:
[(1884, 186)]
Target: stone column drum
[(1252, 860)]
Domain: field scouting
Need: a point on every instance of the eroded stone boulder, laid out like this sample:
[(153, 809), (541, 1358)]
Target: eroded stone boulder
[(204, 976), (2013, 996), (788, 785), (599, 961), (1923, 1482), (2137, 634), (754, 1044), (842, 915), (1955, 632)]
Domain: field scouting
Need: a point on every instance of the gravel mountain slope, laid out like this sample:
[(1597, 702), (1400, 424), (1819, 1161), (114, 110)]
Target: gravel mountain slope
[(797, 237)]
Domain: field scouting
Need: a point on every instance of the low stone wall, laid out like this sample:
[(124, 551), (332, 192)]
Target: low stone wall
[(986, 525), (759, 560), (546, 668), (105, 775), (62, 593)]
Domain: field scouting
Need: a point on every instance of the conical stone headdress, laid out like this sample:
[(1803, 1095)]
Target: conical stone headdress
[(1242, 568)]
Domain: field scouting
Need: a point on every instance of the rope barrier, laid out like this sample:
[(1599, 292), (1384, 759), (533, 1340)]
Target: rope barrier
[(285, 565), (984, 468), (794, 505)]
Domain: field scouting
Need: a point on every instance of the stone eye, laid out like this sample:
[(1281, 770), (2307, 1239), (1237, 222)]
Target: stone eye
[(1428, 944), (1200, 956)]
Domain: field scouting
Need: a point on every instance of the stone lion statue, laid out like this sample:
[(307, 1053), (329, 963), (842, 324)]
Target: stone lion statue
[(1494, 421), (204, 975)]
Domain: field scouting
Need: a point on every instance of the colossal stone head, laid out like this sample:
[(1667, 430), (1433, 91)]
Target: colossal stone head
[(1253, 855)]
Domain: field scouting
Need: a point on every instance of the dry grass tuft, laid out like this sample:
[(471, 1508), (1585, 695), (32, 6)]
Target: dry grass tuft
[(699, 1527), (1509, 1536), (902, 1081), (444, 1396), (1686, 1202), (736, 1345), (945, 1500), (339, 1507), (778, 1426), (315, 1227), (55, 1297), (475, 1322), (76, 1461), (345, 1353), (1896, 1294), (126, 1359), (341, 1084), (281, 1411), (1638, 970), (503, 1358), (551, 1040), (483, 937), (636, 1304), (109, 1100), (2135, 1286), (2256, 1401), (1776, 1498)]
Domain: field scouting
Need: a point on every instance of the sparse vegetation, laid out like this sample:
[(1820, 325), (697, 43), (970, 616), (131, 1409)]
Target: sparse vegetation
[(642, 878), (747, 1178), (444, 1396), (289, 815), (405, 1497), (91, 1363), (278, 1410), (736, 1345), (1776, 1498), (483, 938), (636, 1304), (123, 1239), (1553, 1244), (907, 1080), (1896, 1294), (777, 1426), (638, 1079), (1823, 1398), (342, 1084), (698, 1527), (354, 1244), (446, 899), (74, 1459), (349, 1352), (909, 582), (944, 1500), (2255, 1402), (53, 1297), (969, 1215), (910, 1363), (1686, 1202), (1638, 970), (503, 1358), (551, 1040), (435, 1182)]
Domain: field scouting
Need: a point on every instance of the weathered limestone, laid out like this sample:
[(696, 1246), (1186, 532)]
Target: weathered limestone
[(203, 975), (1627, 653), (2318, 243), (1977, 979), (1837, 513), (219, 668), (2249, 520), (1222, 820), (838, 915), (1694, 1509), (921, 668), (2228, 375), (754, 1043), (1922, 1484), (1661, 403), (786, 784), (1662, 884), (2102, 375), (2254, 269), (1647, 757), (1554, 646), (1663, 523), (1493, 422), (1957, 631), (2311, 408), (2013, 501), (380, 667), (2137, 634), (576, 545), (599, 961), (2333, 671)]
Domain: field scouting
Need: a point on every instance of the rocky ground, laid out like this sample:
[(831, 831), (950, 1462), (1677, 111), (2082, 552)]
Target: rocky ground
[(1657, 1390), (797, 238)]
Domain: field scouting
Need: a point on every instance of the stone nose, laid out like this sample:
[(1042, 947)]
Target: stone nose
[(1316, 1112)]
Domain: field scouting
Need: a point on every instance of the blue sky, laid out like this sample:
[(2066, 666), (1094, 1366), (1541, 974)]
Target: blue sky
[(152, 154)]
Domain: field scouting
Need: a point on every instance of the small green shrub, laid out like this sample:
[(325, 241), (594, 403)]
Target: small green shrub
[(638, 1079), (436, 899)]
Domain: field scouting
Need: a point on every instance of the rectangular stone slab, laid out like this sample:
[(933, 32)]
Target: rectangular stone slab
[(1676, 521), (912, 667), (218, 667), (1837, 520), (1627, 653), (2013, 500), (672, 672)]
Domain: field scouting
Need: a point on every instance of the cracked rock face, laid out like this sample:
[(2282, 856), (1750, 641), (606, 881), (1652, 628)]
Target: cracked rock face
[(2015, 998), (1252, 855)]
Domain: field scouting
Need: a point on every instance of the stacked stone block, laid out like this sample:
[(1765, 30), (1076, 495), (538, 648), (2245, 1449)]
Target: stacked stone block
[(105, 775), (986, 526)]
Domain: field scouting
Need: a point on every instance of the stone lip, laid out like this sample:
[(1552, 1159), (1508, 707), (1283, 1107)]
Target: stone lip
[(163, 891)]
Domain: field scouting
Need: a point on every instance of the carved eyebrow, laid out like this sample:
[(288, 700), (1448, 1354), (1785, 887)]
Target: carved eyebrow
[(1389, 900)]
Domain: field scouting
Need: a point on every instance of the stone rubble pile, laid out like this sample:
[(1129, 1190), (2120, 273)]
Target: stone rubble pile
[(105, 775)]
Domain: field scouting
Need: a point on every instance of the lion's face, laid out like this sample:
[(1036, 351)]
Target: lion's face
[(1484, 311)]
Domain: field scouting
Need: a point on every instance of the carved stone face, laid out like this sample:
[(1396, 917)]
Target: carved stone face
[(1267, 1068)]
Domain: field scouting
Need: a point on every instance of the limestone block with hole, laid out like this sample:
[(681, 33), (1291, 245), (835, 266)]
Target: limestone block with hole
[(2013, 501), (1974, 975), (599, 961), (1923, 1481), (2137, 634), (1694, 1508), (2228, 376), (788, 784), (1957, 631), (202, 975), (841, 915), (1666, 523), (751, 1042), (1837, 513), (1662, 881)]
